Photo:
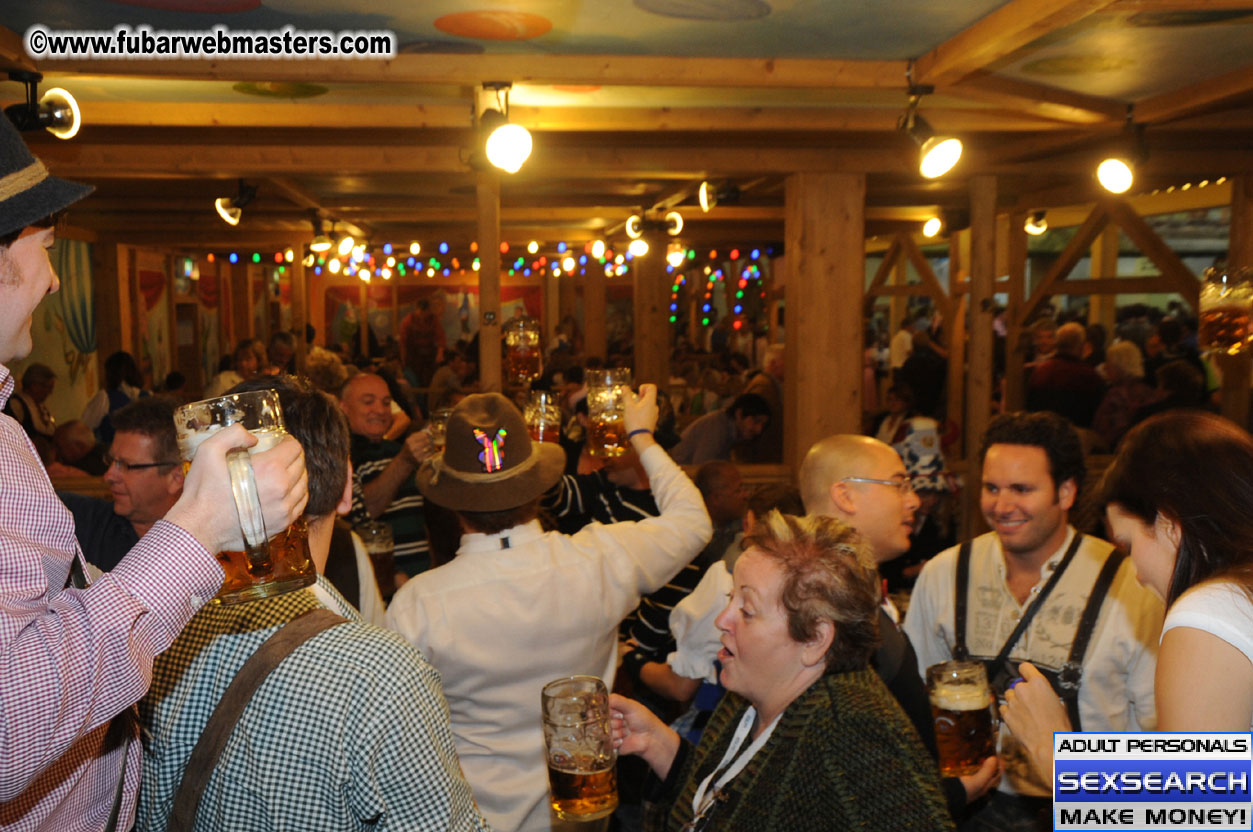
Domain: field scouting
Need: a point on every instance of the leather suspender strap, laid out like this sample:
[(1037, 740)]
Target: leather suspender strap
[(236, 698), (1071, 674), (961, 589)]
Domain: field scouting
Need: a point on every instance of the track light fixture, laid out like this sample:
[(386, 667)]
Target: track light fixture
[(932, 227), (1116, 172), (937, 154), (56, 111), (320, 242), (507, 146), (1036, 224), (230, 209), (637, 224), (711, 195)]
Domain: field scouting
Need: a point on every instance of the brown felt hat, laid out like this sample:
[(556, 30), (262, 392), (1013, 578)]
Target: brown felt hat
[(489, 462)]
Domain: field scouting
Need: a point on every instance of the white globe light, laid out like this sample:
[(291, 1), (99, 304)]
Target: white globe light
[(931, 227), (638, 247), (1115, 176), (508, 147)]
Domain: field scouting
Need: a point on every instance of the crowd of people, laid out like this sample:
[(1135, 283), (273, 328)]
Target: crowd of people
[(766, 648)]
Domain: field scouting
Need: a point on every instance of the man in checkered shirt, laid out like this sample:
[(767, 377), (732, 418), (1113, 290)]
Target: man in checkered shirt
[(349, 732), (73, 660)]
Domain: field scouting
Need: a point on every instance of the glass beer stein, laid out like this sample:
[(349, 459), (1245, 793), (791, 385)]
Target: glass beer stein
[(961, 703), (582, 764), (522, 351), (606, 408), (269, 564), (1225, 302), (543, 417)]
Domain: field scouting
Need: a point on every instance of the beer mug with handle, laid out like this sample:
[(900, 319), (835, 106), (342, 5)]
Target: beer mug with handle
[(965, 726), (582, 763), (607, 392), (266, 564)]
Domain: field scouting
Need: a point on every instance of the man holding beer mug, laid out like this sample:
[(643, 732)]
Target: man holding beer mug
[(519, 607), (73, 659), (1036, 589)]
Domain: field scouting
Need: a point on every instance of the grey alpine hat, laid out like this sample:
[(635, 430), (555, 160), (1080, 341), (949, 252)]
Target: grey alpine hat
[(28, 193)]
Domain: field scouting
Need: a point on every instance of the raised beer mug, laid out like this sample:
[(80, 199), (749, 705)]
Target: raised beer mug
[(1225, 302), (582, 762), (523, 362), (543, 417), (965, 726), (606, 411), (268, 564)]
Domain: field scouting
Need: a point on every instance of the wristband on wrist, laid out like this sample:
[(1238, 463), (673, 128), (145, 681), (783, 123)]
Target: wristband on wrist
[(632, 663), (638, 431)]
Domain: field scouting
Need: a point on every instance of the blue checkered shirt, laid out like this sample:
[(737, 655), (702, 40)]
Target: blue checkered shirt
[(349, 732)]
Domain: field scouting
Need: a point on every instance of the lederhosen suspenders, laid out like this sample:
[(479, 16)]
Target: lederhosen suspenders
[(1066, 681)]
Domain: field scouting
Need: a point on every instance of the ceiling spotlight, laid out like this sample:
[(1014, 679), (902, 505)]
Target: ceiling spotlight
[(674, 223), (56, 111), (708, 198), (633, 224), (320, 242), (711, 195), (346, 245), (230, 209), (932, 227), (1036, 224), (638, 247), (1116, 172), (507, 145), (937, 154)]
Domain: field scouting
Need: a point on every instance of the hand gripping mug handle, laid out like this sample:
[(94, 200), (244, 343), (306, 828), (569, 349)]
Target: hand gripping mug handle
[(248, 508)]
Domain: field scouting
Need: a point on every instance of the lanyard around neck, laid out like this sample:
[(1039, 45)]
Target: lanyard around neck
[(704, 795)]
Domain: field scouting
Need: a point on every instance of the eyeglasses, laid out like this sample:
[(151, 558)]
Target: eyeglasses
[(124, 467), (905, 485)]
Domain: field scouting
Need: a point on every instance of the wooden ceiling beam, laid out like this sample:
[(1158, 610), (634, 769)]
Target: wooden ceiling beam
[(1196, 98), (1037, 99), (1134, 6), (13, 52), (281, 114), (604, 70), (1000, 33)]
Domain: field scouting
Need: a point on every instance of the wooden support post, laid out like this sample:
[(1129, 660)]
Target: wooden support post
[(958, 328), (299, 294), (899, 304), (1102, 308), (980, 314), (595, 336), (488, 197), (1237, 370), (1015, 390), (111, 290), (825, 229), (652, 317)]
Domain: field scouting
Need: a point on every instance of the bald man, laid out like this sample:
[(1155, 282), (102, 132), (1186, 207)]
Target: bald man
[(863, 482)]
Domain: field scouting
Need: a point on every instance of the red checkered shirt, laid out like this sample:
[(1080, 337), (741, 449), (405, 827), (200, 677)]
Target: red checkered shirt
[(71, 660)]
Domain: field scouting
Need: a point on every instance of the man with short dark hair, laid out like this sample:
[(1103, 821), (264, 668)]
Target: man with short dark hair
[(28, 407), (713, 435), (76, 654), (145, 478), (348, 732), (519, 607), (1035, 589)]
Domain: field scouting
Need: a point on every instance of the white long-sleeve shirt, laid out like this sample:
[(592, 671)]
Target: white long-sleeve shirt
[(516, 610)]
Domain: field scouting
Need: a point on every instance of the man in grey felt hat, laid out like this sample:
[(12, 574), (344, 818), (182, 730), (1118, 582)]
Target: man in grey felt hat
[(74, 655), (519, 607)]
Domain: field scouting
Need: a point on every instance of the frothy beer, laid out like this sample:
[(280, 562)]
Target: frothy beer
[(583, 795), (964, 732)]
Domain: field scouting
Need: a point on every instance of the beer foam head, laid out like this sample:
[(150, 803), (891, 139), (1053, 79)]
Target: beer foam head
[(959, 697)]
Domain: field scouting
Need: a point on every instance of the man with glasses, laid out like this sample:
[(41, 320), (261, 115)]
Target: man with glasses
[(1036, 589), (145, 478)]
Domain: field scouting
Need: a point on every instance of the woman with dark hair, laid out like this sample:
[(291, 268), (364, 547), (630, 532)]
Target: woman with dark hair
[(123, 383), (808, 737), (1179, 498)]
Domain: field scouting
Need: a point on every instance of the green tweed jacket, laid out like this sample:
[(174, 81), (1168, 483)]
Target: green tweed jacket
[(844, 756)]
